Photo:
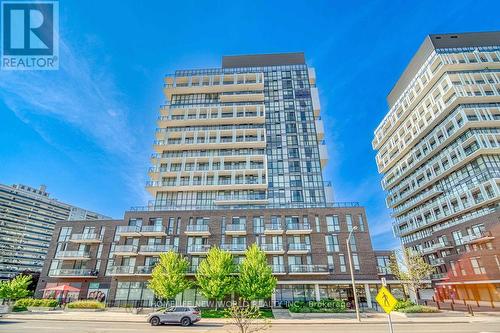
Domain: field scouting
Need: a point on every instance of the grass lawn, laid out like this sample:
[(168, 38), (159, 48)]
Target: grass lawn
[(219, 313)]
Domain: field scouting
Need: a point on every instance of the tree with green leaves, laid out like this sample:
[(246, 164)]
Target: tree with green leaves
[(16, 288), (168, 278), (214, 274), (256, 280), (410, 268)]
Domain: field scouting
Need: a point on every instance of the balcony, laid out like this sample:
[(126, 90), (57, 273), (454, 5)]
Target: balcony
[(198, 249), (236, 229), (299, 248), (122, 271), (436, 247), (298, 229), (308, 269), (197, 230), (254, 199), (437, 261), (320, 129), (241, 96), (129, 230), (272, 248), (156, 249), (440, 276), (278, 269), (73, 273), (273, 229), (153, 230), (125, 250), (86, 238), (73, 255), (383, 270), (234, 248), (481, 237), (144, 270), (323, 154)]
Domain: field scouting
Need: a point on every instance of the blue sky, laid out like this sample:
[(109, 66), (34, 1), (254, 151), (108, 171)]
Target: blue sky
[(86, 130)]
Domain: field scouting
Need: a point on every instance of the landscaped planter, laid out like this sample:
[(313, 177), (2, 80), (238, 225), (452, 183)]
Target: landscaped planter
[(429, 314), (339, 315), (40, 308), (82, 310), (6, 308)]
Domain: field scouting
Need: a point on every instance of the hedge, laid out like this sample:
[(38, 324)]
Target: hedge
[(86, 305), (34, 302), (418, 309)]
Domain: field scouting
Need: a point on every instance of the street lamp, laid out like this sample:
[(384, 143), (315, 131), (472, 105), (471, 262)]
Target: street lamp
[(352, 272)]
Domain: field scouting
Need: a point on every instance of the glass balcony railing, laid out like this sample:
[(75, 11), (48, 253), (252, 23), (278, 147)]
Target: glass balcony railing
[(273, 227), (76, 272), (198, 248), (272, 247), (153, 229), (72, 254), (234, 247), (145, 270), (299, 247), (86, 237), (156, 248), (308, 269), (278, 268), (125, 249), (121, 270), (298, 227), (197, 228), (236, 227), (124, 229)]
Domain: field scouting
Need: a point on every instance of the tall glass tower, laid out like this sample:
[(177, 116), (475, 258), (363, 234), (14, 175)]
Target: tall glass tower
[(246, 134)]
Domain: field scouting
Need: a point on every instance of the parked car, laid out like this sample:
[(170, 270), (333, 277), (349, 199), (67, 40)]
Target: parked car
[(184, 315)]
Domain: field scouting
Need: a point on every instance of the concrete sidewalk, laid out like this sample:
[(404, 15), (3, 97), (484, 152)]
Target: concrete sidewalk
[(109, 316)]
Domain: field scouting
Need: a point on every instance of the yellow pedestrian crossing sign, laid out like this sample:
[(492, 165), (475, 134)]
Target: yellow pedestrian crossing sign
[(386, 300)]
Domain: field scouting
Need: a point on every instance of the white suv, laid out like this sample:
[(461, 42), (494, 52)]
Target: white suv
[(184, 315)]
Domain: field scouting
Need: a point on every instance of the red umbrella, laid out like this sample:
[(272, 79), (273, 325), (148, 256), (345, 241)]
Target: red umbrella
[(63, 288)]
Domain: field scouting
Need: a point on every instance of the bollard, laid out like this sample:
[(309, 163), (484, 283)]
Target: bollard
[(452, 306)]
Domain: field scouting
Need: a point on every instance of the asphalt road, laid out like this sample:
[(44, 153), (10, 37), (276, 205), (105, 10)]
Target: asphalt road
[(45, 326)]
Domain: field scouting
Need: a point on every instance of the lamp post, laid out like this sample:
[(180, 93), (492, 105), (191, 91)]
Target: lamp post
[(348, 240)]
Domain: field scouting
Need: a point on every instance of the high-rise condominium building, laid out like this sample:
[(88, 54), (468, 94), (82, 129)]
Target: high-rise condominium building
[(239, 157), (438, 149), (27, 219), (249, 133)]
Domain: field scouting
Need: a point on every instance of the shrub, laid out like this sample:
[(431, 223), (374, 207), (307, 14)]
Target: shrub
[(34, 302), (86, 305), (402, 304), (418, 309)]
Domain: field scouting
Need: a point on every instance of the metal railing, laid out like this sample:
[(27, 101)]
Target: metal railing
[(236, 227), (298, 226), (234, 247), (197, 228), (128, 229), (153, 228), (198, 248), (125, 248), (118, 270)]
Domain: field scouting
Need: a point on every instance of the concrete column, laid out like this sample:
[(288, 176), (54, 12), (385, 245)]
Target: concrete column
[(316, 291), (368, 295)]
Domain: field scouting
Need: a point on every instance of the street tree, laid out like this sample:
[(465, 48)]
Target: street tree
[(256, 280), (410, 268), (168, 278), (16, 288), (215, 276)]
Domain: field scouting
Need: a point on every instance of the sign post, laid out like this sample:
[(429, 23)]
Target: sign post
[(387, 301)]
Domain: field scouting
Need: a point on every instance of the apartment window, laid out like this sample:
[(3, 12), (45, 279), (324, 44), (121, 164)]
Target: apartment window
[(461, 267), (497, 262), (355, 261), (352, 242), (361, 223), (316, 223), (477, 266), (64, 234), (348, 220), (453, 268), (342, 263), (331, 264), (332, 223), (332, 243)]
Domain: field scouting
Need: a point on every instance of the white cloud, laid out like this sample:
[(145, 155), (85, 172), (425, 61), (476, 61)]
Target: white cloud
[(84, 95)]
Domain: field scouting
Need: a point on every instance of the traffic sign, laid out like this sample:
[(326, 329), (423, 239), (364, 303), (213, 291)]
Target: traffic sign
[(386, 300)]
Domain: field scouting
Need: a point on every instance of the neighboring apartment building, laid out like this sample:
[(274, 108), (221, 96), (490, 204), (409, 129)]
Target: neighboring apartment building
[(27, 219), (239, 158), (438, 149)]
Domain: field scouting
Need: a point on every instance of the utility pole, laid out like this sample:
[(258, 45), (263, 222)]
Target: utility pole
[(348, 242)]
